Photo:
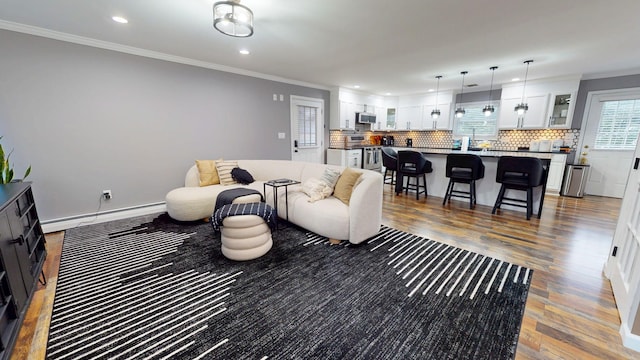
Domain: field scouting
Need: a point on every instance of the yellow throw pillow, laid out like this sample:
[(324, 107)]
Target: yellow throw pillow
[(345, 184), (208, 172), (224, 171)]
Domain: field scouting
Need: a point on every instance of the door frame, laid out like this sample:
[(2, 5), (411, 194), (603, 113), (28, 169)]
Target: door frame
[(588, 104), (321, 123), (591, 96)]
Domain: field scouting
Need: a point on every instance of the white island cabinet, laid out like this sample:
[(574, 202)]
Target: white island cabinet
[(556, 173), (487, 188)]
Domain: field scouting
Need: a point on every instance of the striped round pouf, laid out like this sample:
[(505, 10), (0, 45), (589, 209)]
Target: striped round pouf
[(245, 237)]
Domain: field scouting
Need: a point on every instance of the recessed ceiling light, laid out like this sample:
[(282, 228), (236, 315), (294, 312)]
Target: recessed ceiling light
[(431, 90), (356, 86), (120, 19), (387, 94), (515, 79), (244, 52)]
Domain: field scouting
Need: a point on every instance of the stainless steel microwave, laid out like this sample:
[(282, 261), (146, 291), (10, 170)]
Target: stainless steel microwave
[(365, 118)]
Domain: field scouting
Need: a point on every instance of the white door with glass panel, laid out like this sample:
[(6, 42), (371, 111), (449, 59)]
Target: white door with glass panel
[(623, 265), (611, 132), (307, 129)]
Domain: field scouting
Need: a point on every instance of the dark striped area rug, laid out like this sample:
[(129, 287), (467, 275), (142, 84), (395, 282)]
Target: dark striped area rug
[(152, 288)]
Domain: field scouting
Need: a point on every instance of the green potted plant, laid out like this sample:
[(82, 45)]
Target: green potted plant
[(6, 170)]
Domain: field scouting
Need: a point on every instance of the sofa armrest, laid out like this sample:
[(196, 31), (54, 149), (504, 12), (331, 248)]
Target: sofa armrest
[(365, 207)]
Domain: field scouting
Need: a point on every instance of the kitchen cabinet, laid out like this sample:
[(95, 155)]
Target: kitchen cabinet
[(345, 157), (556, 173), (22, 254), (345, 118), (561, 110), (381, 119), (534, 118), (443, 122), (409, 118)]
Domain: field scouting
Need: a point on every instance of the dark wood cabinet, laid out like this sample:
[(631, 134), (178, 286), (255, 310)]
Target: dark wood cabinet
[(22, 254)]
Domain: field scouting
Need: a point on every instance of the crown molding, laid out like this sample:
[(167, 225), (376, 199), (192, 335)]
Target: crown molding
[(81, 40)]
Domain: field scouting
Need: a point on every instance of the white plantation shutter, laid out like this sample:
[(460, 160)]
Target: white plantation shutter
[(307, 125), (486, 127), (619, 125)]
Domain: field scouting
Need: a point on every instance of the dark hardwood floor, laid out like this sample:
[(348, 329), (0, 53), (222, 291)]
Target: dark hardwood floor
[(570, 311)]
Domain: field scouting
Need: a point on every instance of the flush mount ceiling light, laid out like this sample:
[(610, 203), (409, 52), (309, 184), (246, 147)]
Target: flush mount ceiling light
[(119, 19), (489, 109), (436, 113), (523, 107), (460, 110), (233, 19)]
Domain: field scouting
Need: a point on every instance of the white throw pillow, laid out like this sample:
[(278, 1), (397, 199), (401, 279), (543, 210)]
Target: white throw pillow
[(316, 189), (330, 176)]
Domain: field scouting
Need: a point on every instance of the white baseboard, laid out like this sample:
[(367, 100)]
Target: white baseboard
[(105, 216), (629, 340)]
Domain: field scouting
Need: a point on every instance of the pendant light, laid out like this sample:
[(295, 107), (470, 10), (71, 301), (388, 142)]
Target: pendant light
[(489, 109), (523, 107), (436, 113), (460, 110)]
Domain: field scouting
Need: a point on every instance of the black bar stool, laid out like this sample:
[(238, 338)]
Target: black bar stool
[(412, 164), (390, 163), (465, 169), (518, 173)]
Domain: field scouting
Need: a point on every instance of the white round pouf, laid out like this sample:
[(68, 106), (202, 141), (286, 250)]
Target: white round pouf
[(245, 237)]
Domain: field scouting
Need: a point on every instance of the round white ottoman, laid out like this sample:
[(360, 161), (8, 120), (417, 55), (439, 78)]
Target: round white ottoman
[(245, 237)]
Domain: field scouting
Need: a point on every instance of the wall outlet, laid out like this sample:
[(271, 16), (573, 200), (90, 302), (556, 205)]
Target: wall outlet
[(106, 194), (281, 135)]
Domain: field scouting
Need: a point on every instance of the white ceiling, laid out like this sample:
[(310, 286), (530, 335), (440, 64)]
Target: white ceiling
[(384, 46)]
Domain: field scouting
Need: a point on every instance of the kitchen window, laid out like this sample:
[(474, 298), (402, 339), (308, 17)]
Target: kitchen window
[(474, 124)]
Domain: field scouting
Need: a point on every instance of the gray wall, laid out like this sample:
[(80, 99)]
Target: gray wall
[(612, 83), (89, 119)]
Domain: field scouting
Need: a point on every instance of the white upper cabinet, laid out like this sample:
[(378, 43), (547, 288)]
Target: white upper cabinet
[(560, 111), (381, 119), (346, 103), (550, 102), (534, 118), (443, 122), (347, 117), (409, 118)]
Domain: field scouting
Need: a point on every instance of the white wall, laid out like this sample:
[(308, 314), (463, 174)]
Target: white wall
[(89, 119)]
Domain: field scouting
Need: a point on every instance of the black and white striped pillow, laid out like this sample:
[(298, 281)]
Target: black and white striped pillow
[(224, 171)]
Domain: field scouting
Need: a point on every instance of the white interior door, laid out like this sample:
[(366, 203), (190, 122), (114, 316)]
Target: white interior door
[(611, 131), (307, 129), (623, 265)]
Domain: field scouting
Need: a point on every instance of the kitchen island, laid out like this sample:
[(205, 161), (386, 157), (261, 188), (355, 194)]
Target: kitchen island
[(487, 188)]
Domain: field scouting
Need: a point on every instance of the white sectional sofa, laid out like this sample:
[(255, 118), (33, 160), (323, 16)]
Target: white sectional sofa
[(329, 217)]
